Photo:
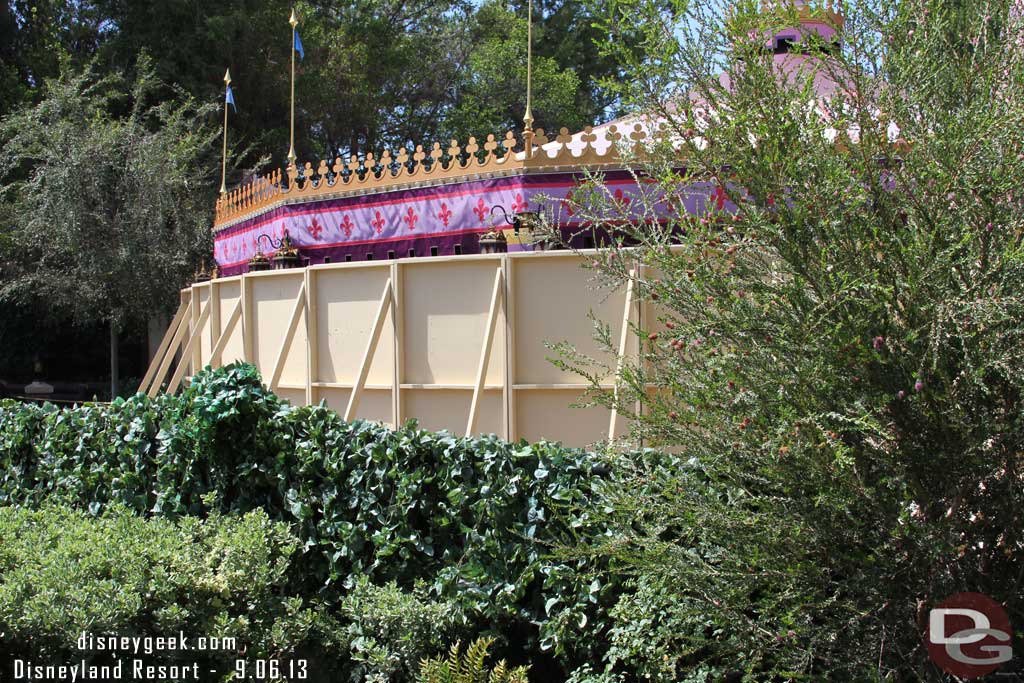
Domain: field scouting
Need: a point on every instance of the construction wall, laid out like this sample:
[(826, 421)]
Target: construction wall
[(459, 343)]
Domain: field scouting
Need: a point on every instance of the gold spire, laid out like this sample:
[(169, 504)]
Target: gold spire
[(224, 155), (528, 117), (294, 21)]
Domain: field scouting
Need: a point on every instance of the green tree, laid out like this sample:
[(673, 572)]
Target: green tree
[(835, 360), (492, 93), (108, 215)]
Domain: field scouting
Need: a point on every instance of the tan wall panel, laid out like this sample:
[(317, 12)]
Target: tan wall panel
[(297, 397), (230, 294), (204, 344), (346, 301), (374, 404), (553, 298), (446, 309), (444, 305), (437, 409), (273, 298), (546, 414)]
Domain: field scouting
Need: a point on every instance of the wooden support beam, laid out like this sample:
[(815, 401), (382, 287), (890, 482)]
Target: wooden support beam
[(197, 296), (485, 352), (162, 349), (193, 339), (627, 315), (245, 295), (222, 340), (371, 346), (172, 348), (215, 321), (312, 337), (398, 348), (508, 396), (289, 335)]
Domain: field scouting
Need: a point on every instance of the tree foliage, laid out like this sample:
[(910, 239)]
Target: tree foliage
[(836, 352), (109, 214)]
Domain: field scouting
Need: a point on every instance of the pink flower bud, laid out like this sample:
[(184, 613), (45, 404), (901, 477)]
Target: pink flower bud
[(918, 385)]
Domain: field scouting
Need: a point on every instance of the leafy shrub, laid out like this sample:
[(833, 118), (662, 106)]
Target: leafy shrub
[(63, 571), (469, 667), (390, 631), (475, 518), (834, 333)]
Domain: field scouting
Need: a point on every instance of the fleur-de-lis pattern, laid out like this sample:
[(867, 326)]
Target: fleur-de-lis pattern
[(567, 204), (480, 210), (410, 218), (315, 229), (430, 213), (444, 214), (719, 197), (378, 222)]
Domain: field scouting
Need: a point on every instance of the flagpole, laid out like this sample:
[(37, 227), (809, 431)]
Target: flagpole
[(294, 21), (224, 155), (528, 118)]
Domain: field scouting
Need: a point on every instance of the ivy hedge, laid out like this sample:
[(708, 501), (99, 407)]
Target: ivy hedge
[(476, 519)]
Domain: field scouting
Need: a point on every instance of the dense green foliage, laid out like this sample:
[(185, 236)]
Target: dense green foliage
[(475, 519), (63, 572), (388, 632), (104, 218), (376, 72), (835, 352), (469, 667)]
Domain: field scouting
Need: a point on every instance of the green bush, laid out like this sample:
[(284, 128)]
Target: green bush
[(389, 631), (64, 572), (832, 335), (475, 518), (469, 667)]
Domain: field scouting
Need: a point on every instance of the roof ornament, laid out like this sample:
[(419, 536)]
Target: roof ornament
[(228, 99), (528, 117)]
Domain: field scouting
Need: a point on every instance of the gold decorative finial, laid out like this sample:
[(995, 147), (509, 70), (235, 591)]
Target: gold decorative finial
[(224, 154), (528, 117), (293, 20)]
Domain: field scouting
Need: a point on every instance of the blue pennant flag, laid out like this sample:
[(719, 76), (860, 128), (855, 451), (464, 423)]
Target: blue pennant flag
[(229, 98), (298, 45)]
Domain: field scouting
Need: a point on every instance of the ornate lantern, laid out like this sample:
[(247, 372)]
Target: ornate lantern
[(493, 242), (258, 262), (286, 256)]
